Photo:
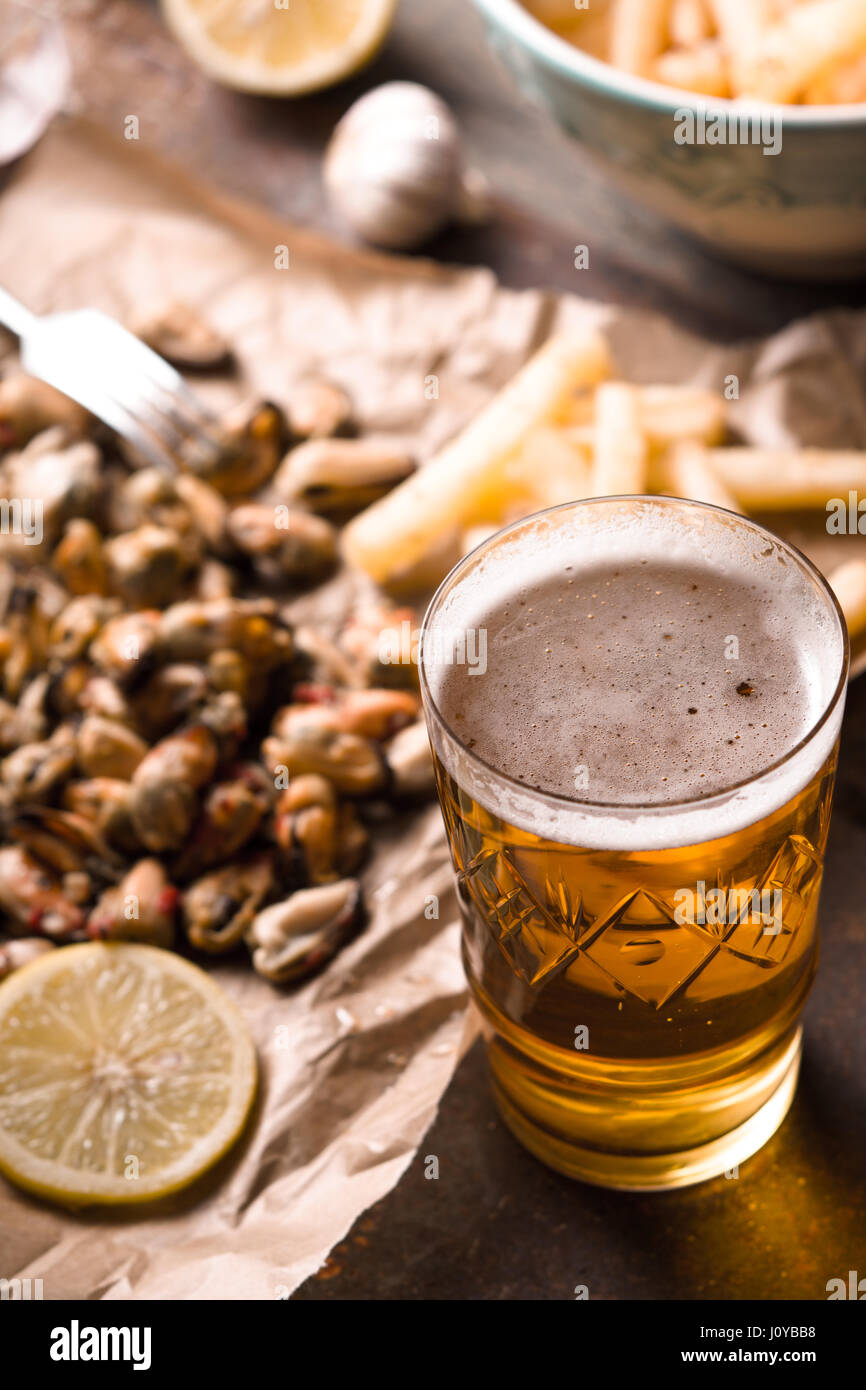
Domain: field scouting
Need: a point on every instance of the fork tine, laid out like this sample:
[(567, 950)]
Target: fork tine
[(154, 451), (162, 411), (164, 423), (96, 361), (84, 387), (130, 354), (150, 444), (173, 391), (155, 428), (165, 405), (151, 391), (161, 396), (135, 357)]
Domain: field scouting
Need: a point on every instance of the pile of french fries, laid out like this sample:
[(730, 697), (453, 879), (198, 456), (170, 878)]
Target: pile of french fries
[(787, 51), (563, 429)]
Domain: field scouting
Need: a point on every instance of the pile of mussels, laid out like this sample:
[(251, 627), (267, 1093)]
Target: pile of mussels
[(175, 756)]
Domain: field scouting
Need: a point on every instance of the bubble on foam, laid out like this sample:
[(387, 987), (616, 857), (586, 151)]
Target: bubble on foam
[(520, 719)]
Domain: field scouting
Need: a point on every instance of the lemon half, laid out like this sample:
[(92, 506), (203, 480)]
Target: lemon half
[(280, 47), (125, 1073)]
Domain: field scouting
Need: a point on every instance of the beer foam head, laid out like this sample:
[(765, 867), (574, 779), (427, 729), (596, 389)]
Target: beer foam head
[(610, 673)]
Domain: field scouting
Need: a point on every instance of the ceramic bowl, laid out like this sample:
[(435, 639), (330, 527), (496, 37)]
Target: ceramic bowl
[(797, 212)]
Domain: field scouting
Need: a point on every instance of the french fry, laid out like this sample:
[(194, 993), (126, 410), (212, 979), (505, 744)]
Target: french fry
[(741, 25), (475, 536), (465, 482), (620, 463), (848, 583), (700, 69), (689, 23), (789, 479), (667, 414), (553, 13), (550, 469), (808, 42), (687, 472), (638, 33), (589, 30), (838, 85), (781, 51)]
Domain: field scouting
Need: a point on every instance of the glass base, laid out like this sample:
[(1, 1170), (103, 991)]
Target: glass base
[(535, 1111)]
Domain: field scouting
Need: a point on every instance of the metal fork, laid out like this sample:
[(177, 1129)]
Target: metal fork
[(90, 357)]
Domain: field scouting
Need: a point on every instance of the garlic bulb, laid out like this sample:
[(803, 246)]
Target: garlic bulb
[(394, 168)]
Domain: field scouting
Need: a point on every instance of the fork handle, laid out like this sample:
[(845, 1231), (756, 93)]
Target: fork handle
[(13, 315)]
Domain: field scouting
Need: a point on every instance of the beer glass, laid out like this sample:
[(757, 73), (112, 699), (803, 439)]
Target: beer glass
[(634, 705)]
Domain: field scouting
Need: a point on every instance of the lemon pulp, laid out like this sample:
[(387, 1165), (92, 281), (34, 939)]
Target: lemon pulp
[(125, 1072), (280, 48)]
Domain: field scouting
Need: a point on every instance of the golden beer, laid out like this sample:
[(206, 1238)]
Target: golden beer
[(636, 789)]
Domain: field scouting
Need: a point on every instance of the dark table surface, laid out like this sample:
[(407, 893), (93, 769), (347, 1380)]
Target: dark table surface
[(497, 1224)]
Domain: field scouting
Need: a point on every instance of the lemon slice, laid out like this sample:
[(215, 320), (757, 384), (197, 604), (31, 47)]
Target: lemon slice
[(125, 1072), (285, 48)]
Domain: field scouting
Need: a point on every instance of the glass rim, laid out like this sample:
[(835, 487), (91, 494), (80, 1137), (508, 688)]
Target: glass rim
[(651, 808)]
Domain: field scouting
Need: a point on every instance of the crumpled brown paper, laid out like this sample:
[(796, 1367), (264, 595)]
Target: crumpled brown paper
[(354, 1064)]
